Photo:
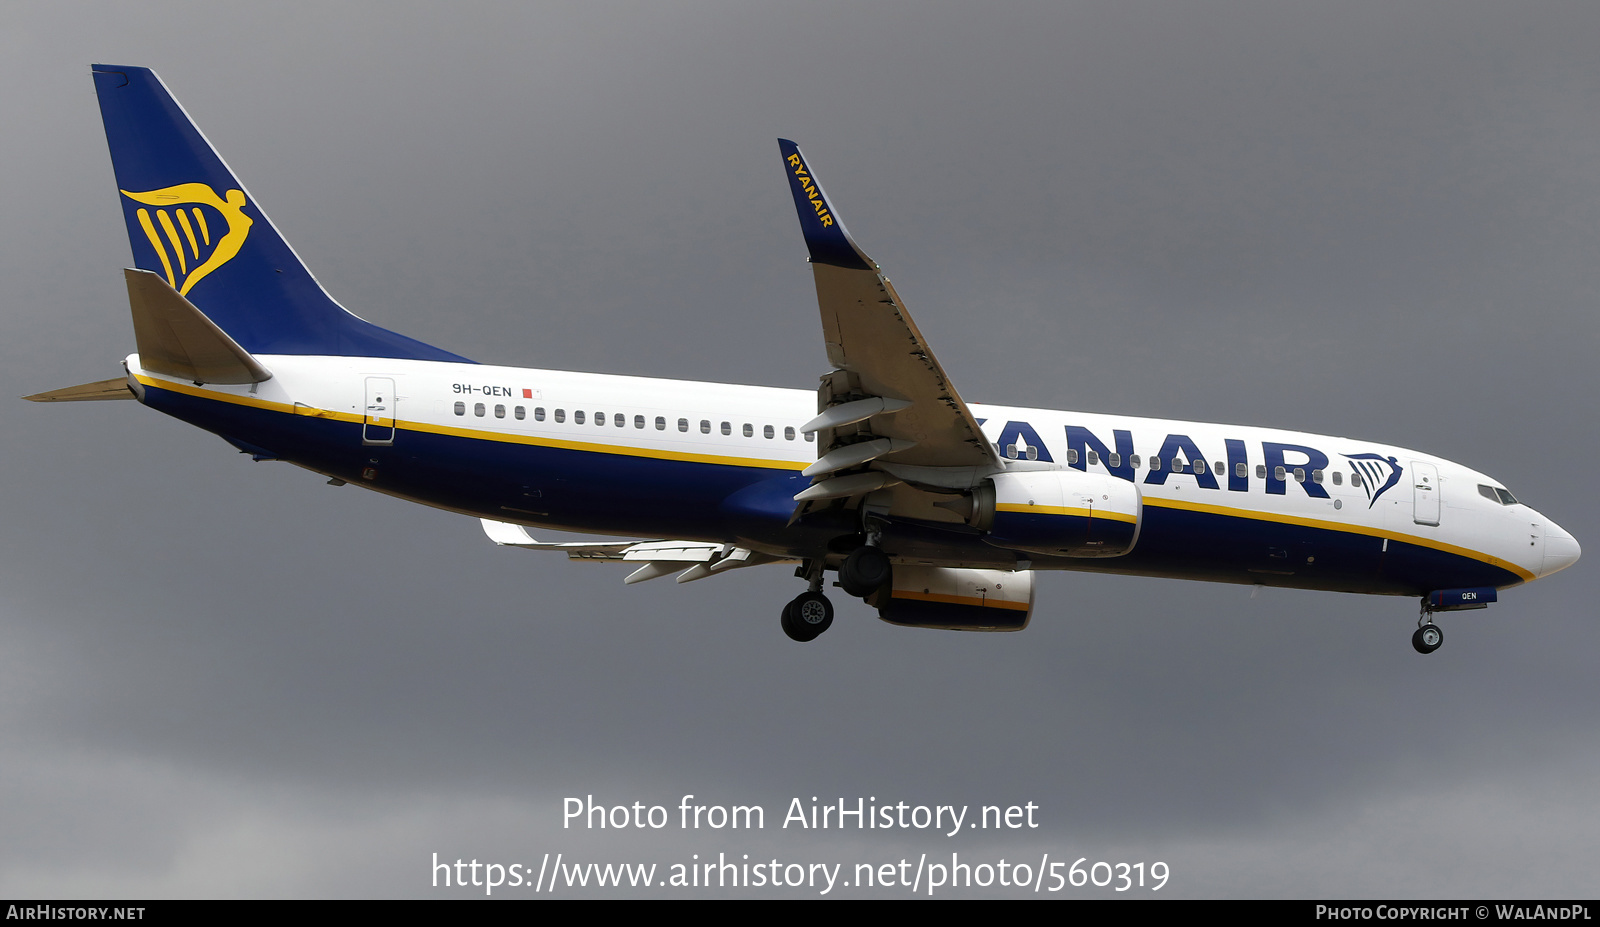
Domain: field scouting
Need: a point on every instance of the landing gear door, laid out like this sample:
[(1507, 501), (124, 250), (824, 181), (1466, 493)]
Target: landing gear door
[(1425, 492), (377, 426)]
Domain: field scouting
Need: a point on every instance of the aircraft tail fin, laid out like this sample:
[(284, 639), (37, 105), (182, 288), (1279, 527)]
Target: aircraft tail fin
[(192, 222)]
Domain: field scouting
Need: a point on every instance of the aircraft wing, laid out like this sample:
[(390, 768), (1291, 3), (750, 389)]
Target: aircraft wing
[(697, 559), (888, 404)]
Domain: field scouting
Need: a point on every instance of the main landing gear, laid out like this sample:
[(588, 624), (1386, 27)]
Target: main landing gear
[(807, 616), (810, 613), (864, 571)]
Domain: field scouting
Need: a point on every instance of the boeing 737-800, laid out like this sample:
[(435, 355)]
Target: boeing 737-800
[(935, 511)]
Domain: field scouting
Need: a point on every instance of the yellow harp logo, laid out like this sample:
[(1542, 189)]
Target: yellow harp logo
[(186, 232)]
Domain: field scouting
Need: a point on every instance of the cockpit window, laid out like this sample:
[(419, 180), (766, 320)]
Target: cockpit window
[(1496, 494)]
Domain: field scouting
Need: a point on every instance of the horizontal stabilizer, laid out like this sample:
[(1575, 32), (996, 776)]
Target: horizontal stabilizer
[(116, 388), (178, 340)]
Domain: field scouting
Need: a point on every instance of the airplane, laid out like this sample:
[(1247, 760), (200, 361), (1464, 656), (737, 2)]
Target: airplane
[(934, 511)]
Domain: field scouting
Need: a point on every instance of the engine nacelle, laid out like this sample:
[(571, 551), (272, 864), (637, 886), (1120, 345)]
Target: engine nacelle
[(1063, 513), (956, 599)]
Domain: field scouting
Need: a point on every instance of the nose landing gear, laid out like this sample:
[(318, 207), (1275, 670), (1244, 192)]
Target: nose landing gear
[(1428, 638)]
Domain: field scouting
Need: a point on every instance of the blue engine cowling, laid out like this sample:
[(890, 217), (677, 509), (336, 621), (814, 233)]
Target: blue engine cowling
[(956, 599), (1063, 513)]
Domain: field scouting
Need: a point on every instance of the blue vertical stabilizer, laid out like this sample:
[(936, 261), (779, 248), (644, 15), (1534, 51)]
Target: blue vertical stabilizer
[(191, 221)]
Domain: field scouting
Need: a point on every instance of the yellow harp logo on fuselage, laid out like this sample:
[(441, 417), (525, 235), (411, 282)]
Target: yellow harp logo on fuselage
[(186, 233)]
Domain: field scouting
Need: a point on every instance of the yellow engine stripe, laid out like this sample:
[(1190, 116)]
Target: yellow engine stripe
[(1077, 511), (958, 600)]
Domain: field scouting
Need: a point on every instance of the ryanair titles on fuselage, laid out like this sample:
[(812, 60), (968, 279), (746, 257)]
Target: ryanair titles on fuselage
[(1180, 456)]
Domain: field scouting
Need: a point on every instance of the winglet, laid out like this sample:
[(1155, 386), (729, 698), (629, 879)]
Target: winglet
[(826, 236)]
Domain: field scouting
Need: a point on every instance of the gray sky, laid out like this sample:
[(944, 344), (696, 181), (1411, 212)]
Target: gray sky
[(1379, 220)]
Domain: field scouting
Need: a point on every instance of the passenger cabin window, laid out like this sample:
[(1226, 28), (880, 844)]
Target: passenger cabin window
[(538, 413), (499, 411), (661, 423), (477, 409), (705, 426), (1072, 455), (811, 436), (520, 413), (621, 421), (788, 432), (638, 422), (1299, 474), (461, 408), (1114, 459), (727, 428), (1316, 476), (767, 432), (577, 417), (1261, 472), (749, 430), (1241, 469), (1199, 467), (1177, 465), (1221, 468), (1155, 463), (1133, 461), (683, 424), (1278, 474), (561, 415), (1355, 479), (1338, 478)]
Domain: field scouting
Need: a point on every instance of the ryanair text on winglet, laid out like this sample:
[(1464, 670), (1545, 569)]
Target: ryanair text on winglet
[(812, 193)]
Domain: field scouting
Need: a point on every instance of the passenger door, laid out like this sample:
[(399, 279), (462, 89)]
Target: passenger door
[(377, 426)]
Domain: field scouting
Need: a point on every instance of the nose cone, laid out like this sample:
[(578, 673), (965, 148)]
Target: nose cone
[(1560, 549)]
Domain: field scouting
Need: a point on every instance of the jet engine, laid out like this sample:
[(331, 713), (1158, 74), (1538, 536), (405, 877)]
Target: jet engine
[(956, 599), (1062, 513)]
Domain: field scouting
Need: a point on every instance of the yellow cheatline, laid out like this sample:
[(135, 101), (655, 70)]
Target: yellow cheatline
[(1365, 530), (958, 600)]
